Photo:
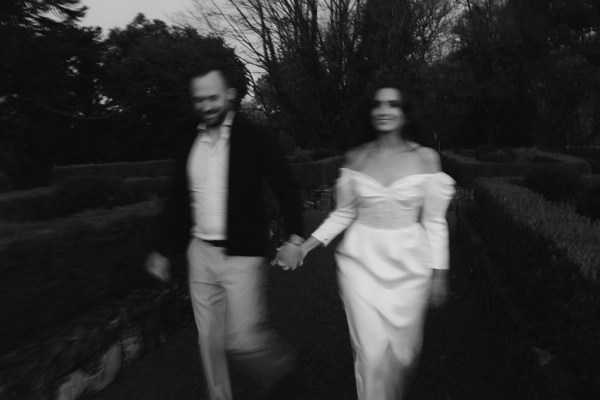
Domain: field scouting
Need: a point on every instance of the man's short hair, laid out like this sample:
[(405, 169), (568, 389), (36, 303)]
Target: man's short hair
[(213, 65)]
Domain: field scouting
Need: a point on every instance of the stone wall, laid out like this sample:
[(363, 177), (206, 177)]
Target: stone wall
[(86, 355)]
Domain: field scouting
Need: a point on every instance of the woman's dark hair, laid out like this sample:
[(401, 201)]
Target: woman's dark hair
[(412, 130)]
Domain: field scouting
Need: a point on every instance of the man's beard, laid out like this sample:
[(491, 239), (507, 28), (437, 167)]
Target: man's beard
[(218, 120)]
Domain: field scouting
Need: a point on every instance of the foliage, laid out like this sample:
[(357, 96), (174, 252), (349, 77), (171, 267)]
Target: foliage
[(530, 60), (464, 167), (5, 185), (146, 71), (53, 272), (47, 72), (320, 55), (326, 152), (487, 153), (92, 99), (89, 192), (317, 174), (142, 169), (553, 260), (287, 143), (588, 201), (553, 182), (33, 204)]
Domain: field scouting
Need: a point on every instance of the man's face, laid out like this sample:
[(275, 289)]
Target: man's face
[(211, 98)]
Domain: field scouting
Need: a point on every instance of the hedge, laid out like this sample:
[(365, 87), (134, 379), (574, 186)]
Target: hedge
[(318, 174), (464, 169), (70, 196), (311, 174), (589, 153), (56, 201), (26, 205), (143, 169), (53, 271), (553, 259)]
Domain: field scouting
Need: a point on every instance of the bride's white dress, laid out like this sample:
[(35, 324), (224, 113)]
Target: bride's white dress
[(395, 236)]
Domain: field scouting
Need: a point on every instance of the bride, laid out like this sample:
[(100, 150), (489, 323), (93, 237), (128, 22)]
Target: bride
[(393, 259)]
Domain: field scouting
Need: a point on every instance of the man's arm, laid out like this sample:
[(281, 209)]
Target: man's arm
[(284, 185), (287, 191)]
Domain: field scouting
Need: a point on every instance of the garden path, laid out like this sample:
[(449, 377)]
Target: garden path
[(463, 356)]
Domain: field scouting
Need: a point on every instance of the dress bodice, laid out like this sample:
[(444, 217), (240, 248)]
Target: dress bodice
[(382, 206), (394, 205), (419, 197)]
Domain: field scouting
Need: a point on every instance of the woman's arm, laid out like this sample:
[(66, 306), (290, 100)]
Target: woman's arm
[(309, 244)]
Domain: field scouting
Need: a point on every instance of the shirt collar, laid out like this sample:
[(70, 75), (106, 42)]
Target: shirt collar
[(227, 122)]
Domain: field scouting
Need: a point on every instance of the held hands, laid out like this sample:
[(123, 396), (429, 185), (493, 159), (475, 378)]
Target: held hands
[(291, 255), (158, 266)]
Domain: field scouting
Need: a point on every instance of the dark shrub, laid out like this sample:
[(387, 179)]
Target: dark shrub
[(5, 185), (287, 143), (464, 152), (493, 154), (144, 188), (588, 202), (553, 182), (483, 151), (300, 156), (522, 154), (89, 192), (320, 154)]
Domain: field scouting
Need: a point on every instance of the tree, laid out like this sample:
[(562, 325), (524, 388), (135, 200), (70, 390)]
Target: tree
[(145, 73), (47, 71), (319, 55), (535, 78)]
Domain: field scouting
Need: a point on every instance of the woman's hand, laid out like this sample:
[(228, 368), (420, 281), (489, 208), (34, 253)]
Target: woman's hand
[(439, 288)]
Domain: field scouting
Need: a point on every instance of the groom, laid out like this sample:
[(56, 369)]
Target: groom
[(216, 214)]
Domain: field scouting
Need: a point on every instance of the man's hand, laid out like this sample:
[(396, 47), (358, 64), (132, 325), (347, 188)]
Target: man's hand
[(158, 266), (289, 256)]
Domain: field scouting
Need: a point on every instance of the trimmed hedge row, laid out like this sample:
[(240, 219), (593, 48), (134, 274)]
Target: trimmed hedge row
[(52, 271), (584, 151), (5, 185), (318, 174), (99, 187), (464, 169), (553, 260), (312, 174), (78, 194), (559, 184), (143, 169), (591, 154), (25, 205)]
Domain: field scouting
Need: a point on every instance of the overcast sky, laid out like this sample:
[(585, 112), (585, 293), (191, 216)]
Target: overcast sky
[(109, 14), (117, 13)]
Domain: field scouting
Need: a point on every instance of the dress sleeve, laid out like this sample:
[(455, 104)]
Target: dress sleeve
[(439, 190), (343, 215)]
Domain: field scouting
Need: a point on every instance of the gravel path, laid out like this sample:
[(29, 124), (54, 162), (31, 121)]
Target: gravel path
[(463, 356)]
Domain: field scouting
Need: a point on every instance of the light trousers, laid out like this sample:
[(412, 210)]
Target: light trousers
[(228, 295)]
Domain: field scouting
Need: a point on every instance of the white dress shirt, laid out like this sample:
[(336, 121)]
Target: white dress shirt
[(207, 168)]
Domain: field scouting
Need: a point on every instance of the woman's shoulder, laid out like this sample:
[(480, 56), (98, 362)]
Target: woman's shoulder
[(355, 157), (429, 158)]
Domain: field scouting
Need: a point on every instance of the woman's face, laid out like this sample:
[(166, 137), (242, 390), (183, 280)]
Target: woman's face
[(386, 114)]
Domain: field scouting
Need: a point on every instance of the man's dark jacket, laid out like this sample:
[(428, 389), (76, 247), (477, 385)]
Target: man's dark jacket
[(254, 158)]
